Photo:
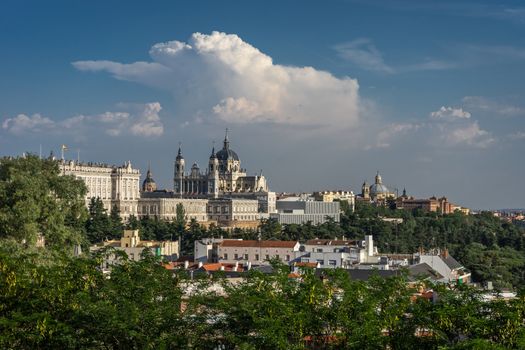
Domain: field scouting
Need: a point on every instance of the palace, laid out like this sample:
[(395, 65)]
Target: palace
[(223, 194)]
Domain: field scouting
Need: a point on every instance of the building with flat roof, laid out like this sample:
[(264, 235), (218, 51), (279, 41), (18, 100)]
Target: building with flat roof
[(256, 252), (297, 210)]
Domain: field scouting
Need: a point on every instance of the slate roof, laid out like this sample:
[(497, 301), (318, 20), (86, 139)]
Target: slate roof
[(451, 262), (423, 270)]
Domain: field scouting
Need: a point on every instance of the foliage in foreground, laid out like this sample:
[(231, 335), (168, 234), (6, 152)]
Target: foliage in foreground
[(68, 303)]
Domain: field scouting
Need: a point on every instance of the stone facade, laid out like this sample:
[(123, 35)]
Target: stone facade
[(114, 185), (223, 194), (223, 176)]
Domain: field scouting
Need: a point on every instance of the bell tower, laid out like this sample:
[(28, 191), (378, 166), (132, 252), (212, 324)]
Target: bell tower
[(213, 175), (179, 172), (365, 191)]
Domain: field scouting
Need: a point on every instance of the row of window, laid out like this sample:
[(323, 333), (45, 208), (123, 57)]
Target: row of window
[(330, 262), (247, 257)]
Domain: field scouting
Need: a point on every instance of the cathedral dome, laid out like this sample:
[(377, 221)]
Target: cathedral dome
[(149, 185), (226, 153), (376, 189)]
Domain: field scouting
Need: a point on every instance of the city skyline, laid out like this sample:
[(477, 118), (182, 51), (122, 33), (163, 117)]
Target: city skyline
[(317, 96)]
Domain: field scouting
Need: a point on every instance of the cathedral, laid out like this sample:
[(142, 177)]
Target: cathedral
[(223, 176), (377, 192), (222, 194)]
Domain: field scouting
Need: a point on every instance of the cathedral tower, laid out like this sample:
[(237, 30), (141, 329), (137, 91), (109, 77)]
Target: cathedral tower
[(213, 175), (179, 172)]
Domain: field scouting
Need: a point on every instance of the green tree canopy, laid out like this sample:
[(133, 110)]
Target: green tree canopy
[(35, 199)]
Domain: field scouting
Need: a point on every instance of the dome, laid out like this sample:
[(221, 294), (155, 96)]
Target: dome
[(376, 189), (149, 184), (226, 153)]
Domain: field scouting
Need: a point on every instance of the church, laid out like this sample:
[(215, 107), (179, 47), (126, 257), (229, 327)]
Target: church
[(377, 192), (223, 193), (223, 176)]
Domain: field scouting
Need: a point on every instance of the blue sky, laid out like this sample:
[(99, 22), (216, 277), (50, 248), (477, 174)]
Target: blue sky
[(319, 95)]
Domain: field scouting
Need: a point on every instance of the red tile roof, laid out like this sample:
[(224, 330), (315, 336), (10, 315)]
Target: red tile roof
[(258, 244), (306, 264)]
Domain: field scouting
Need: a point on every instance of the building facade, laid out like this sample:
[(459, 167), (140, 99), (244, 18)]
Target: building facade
[(223, 194), (254, 252), (116, 186), (297, 210), (223, 176), (133, 246)]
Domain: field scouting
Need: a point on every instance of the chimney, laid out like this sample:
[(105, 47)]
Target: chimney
[(200, 264), (249, 265), (186, 264), (221, 268)]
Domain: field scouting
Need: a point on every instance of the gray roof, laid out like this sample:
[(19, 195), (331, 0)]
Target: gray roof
[(451, 262), (157, 194), (226, 153), (378, 188), (423, 270)]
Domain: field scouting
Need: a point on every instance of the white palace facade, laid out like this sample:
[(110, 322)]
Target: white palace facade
[(223, 193)]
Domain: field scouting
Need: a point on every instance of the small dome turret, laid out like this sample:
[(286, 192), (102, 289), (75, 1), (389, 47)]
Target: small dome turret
[(149, 185)]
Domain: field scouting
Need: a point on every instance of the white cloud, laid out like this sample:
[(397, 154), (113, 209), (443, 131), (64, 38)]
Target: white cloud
[(448, 127), (143, 120), (386, 136), (148, 123), (518, 135), (23, 123), (470, 134), (450, 113), (222, 77), (491, 106), (363, 53)]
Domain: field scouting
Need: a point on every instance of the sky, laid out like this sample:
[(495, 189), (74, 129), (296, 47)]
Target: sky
[(318, 95)]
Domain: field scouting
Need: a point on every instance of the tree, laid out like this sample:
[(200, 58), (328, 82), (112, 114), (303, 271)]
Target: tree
[(35, 199), (180, 219), (117, 227), (98, 225)]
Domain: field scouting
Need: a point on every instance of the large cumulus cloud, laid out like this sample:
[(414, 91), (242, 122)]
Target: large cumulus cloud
[(225, 78)]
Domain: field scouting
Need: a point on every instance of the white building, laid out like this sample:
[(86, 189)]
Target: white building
[(254, 252), (116, 186), (443, 263), (299, 210), (341, 253), (341, 196)]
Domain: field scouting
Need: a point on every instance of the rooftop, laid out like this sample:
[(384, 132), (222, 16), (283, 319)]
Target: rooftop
[(258, 244)]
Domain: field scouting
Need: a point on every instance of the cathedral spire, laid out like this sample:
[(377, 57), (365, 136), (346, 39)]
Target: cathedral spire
[(148, 174), (213, 151), (226, 140), (179, 153)]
